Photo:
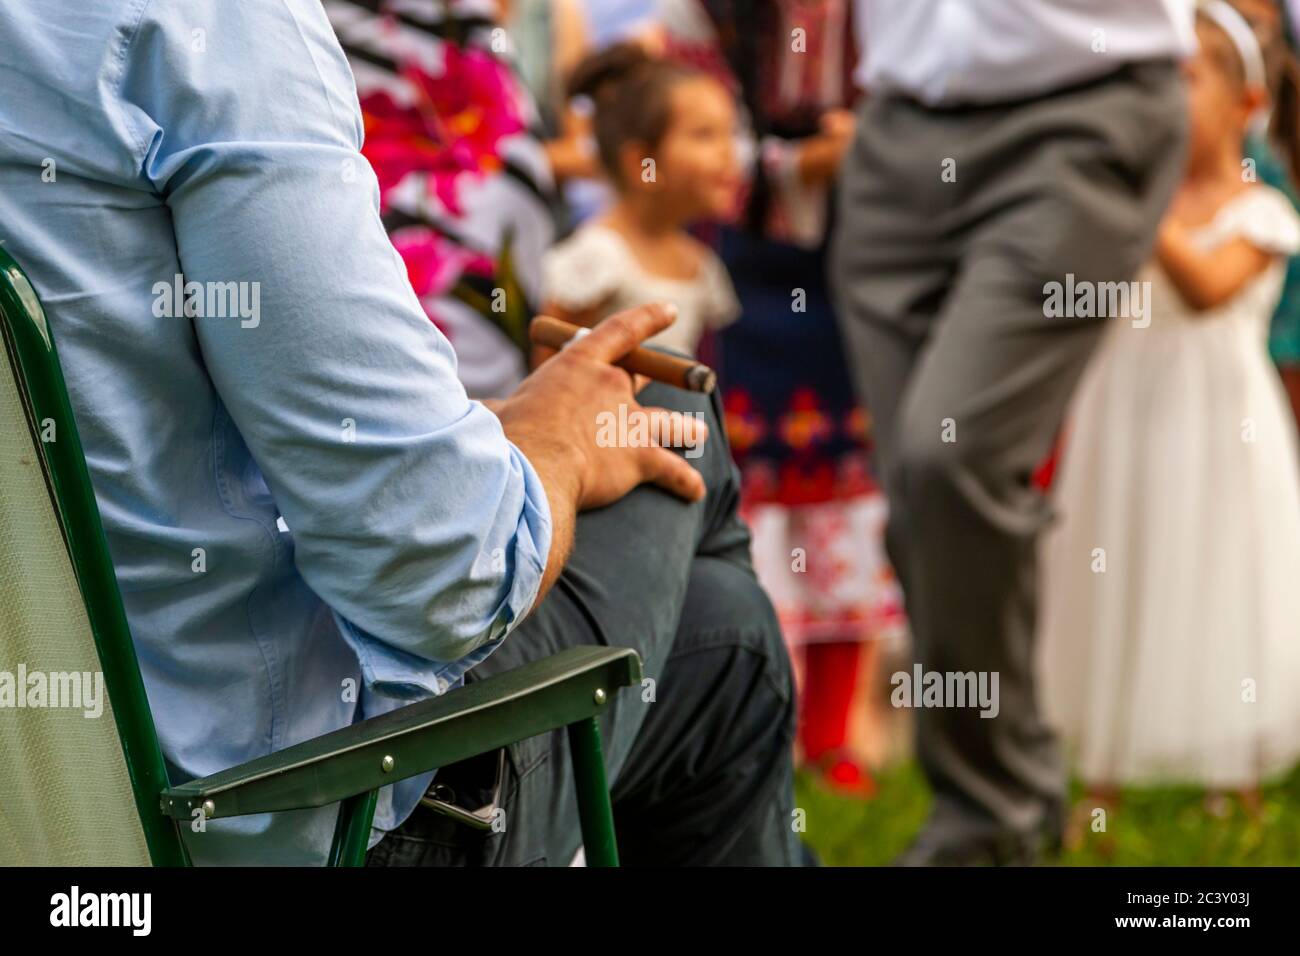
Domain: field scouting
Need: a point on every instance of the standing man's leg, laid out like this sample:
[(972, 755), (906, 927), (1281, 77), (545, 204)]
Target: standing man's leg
[(951, 224)]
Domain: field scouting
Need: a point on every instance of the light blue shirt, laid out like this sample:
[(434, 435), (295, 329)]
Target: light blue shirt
[(142, 140)]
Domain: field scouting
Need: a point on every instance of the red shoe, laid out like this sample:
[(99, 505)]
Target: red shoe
[(848, 777)]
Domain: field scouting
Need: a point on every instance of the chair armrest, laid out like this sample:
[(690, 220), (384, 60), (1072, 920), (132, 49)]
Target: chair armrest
[(572, 685)]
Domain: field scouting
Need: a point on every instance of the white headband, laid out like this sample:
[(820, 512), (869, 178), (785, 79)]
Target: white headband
[(1242, 36)]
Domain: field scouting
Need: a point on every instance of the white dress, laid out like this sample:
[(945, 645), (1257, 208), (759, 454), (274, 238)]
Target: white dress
[(1170, 629)]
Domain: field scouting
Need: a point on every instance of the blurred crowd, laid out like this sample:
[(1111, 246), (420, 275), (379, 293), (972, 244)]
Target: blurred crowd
[(575, 157)]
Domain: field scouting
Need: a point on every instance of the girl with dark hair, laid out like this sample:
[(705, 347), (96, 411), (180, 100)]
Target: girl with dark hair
[(665, 135)]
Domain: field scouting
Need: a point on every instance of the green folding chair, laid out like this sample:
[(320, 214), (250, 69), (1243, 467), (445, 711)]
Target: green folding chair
[(77, 791)]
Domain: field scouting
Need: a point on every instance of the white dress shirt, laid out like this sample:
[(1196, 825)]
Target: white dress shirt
[(945, 52)]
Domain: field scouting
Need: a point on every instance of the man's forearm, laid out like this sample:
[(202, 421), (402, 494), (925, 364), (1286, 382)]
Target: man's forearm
[(560, 476)]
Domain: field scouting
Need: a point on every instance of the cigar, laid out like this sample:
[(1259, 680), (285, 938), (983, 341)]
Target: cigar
[(669, 369)]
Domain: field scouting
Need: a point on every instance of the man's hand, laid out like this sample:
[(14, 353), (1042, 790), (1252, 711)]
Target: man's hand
[(555, 418)]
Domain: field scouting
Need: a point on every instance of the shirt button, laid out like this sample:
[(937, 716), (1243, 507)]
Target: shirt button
[(442, 685)]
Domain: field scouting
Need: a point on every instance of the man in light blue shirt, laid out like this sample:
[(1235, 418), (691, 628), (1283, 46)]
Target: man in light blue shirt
[(310, 522)]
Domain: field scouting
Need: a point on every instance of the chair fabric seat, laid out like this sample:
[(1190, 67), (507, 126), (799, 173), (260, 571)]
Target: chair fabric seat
[(65, 793)]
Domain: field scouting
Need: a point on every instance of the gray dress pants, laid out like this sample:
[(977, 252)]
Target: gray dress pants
[(699, 757), (951, 225)]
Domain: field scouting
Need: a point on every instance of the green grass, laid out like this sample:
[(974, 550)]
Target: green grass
[(1166, 826)]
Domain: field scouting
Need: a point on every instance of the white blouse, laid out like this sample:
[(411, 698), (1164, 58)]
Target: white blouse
[(595, 269)]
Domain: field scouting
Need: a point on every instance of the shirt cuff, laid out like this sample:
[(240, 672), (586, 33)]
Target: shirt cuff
[(401, 676)]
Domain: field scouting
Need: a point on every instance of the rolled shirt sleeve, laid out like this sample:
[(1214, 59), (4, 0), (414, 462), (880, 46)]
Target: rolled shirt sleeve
[(424, 529)]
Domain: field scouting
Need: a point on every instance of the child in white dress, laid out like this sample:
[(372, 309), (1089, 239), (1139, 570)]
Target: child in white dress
[(665, 134), (1171, 612)]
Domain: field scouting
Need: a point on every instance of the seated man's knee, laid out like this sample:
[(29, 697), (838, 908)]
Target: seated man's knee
[(727, 610)]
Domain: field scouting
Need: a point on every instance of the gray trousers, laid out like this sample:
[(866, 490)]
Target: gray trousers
[(950, 223), (699, 760)]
